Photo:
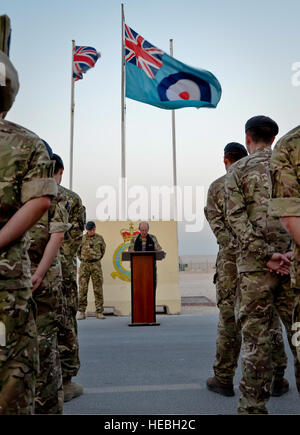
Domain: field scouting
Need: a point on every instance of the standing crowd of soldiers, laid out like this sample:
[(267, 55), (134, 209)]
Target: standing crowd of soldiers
[(41, 230), (254, 212)]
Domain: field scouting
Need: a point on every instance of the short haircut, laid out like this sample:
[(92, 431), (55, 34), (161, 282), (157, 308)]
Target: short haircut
[(143, 223), (234, 151), (58, 163), (261, 134)]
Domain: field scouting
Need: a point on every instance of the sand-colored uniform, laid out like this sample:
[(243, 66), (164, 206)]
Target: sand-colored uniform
[(90, 253), (68, 334), (25, 173), (247, 188)]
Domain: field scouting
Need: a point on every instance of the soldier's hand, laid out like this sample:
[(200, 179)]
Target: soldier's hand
[(289, 255), (279, 263), (36, 282)]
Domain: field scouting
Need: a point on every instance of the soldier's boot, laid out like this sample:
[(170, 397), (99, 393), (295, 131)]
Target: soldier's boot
[(100, 316), (71, 389), (279, 387), (81, 315), (213, 384)]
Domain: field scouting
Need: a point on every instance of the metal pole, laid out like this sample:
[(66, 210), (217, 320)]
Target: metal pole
[(123, 116), (72, 119), (174, 149), (123, 98)]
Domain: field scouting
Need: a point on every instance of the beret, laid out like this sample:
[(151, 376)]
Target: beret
[(90, 225), (49, 149), (58, 159), (261, 121), (235, 147)]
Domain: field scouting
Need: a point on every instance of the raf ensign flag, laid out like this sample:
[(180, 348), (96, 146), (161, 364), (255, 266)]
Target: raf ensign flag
[(153, 77)]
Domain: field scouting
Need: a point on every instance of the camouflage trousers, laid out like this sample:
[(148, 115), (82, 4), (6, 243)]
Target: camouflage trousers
[(50, 315), (259, 294), (229, 330), (19, 356), (229, 335), (87, 271), (68, 333)]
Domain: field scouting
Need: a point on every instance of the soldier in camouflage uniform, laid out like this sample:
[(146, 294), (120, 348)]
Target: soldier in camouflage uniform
[(285, 202), (262, 246), (26, 186), (90, 253), (46, 238), (226, 280), (68, 334), (229, 335)]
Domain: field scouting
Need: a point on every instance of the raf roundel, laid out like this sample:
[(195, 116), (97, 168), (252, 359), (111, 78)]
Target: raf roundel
[(184, 86)]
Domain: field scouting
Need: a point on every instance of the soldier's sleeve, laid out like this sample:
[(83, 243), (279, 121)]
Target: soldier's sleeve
[(238, 218), (59, 219), (79, 251), (215, 216), (38, 180), (77, 218), (285, 175), (103, 247)]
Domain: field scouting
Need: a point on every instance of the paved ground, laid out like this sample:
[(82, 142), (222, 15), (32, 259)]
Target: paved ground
[(159, 369)]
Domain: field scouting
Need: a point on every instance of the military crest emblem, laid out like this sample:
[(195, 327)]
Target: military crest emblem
[(120, 271)]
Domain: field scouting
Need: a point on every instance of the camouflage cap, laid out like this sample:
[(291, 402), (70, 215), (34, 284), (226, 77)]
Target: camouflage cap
[(262, 121), (9, 83)]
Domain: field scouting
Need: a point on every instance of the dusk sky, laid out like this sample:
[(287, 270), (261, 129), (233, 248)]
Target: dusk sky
[(251, 47)]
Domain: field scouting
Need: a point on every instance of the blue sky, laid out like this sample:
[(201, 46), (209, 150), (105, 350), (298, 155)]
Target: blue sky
[(249, 47)]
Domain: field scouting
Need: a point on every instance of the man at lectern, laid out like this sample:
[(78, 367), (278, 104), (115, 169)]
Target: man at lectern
[(144, 241)]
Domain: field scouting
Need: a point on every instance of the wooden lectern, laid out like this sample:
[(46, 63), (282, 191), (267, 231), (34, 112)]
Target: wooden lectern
[(143, 286)]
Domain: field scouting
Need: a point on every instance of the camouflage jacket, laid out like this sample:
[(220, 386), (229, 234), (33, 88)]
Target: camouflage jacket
[(216, 216), (77, 218), (55, 220), (25, 173), (91, 248), (285, 175), (248, 190)]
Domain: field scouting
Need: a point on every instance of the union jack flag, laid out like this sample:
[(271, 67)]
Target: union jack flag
[(141, 53), (84, 58)]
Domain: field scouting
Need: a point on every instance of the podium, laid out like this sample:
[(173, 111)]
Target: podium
[(143, 286)]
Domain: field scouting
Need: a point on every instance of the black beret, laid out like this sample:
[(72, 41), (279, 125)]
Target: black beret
[(49, 149), (235, 147), (262, 121), (90, 225), (58, 159)]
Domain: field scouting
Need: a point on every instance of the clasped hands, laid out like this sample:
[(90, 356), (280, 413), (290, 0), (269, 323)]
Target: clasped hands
[(280, 263)]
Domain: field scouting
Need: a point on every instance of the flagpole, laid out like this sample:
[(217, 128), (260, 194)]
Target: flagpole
[(174, 149), (72, 119), (123, 116)]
